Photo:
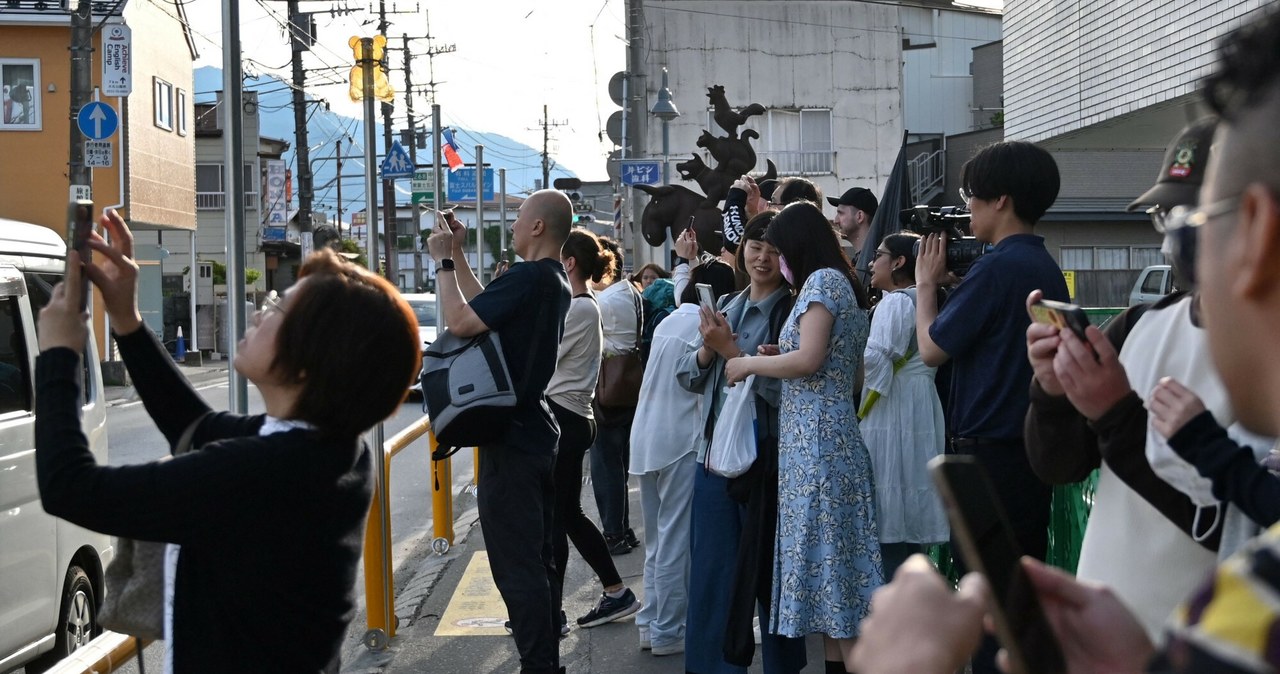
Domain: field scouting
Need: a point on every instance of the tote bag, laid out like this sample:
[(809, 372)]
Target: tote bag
[(733, 442)]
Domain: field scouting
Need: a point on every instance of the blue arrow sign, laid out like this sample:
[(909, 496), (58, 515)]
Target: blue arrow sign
[(397, 163), (462, 184), (641, 172), (97, 121)]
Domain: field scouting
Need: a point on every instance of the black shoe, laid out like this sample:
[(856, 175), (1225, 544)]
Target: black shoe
[(610, 609), (617, 545), (630, 538)]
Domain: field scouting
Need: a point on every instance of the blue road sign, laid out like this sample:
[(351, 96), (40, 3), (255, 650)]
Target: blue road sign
[(641, 172), (397, 163), (462, 184), (97, 121)]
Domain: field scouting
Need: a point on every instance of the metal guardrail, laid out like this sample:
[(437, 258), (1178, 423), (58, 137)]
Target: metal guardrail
[(108, 651)]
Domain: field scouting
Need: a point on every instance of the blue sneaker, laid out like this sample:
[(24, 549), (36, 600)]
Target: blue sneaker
[(610, 609)]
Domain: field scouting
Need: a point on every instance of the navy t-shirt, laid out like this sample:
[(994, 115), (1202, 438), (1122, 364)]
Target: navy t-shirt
[(983, 328), (527, 304)]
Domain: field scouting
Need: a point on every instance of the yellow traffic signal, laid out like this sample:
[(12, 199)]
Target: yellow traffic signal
[(381, 87)]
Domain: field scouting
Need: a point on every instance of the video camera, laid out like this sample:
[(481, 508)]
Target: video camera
[(962, 248)]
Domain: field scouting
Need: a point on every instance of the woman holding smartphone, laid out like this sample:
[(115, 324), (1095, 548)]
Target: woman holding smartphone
[(827, 554), (259, 492)]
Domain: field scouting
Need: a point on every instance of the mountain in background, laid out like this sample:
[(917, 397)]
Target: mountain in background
[(324, 128)]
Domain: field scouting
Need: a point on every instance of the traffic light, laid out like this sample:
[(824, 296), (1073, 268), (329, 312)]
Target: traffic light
[(584, 219), (381, 87)]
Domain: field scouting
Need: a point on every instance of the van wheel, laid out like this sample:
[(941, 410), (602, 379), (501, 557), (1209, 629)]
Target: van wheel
[(77, 620)]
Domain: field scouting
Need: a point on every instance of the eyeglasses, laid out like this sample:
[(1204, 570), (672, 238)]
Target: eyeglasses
[(965, 196), (269, 304), (879, 253), (1186, 216)]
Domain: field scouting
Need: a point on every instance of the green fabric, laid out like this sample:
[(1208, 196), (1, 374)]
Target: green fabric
[(873, 395)]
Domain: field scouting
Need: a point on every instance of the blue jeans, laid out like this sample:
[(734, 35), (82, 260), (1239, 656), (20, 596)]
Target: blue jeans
[(666, 497), (714, 534), (610, 456)]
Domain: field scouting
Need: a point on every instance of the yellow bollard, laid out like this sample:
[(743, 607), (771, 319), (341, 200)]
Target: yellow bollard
[(377, 566), (441, 500), (475, 467)]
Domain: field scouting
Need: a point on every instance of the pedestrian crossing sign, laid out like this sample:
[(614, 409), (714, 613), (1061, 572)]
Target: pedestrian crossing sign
[(397, 163)]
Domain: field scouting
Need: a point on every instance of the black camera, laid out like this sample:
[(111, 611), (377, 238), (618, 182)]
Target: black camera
[(962, 248)]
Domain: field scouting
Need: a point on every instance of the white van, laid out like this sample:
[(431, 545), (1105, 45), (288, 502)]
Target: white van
[(1153, 283), (50, 570)]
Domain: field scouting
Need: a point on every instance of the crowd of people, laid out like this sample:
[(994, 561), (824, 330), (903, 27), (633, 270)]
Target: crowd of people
[(836, 383)]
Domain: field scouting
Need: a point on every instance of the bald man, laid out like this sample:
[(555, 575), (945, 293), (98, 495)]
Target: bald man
[(526, 306)]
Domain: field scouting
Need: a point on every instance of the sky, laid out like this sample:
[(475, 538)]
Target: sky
[(512, 57)]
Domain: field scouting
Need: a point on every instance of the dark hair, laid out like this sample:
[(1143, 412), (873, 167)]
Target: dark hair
[(716, 274), (614, 249), (791, 190), (1024, 172), (351, 341), (1248, 70), (657, 269), (755, 230), (592, 261), (803, 235), (901, 245)]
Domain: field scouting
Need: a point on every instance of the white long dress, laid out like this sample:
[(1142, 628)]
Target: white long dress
[(904, 428)]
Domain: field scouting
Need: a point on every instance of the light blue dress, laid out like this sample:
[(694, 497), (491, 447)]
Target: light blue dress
[(827, 557)]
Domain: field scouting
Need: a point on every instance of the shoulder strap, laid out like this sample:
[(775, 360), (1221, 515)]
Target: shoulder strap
[(637, 301), (781, 309), (184, 441)]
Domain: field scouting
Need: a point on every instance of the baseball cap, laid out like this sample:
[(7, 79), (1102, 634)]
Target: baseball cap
[(1182, 170), (860, 198)]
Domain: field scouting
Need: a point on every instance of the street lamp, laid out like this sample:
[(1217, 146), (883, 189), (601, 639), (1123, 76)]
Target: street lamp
[(665, 110)]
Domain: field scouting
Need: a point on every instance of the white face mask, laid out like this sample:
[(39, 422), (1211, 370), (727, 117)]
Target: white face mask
[(786, 270)]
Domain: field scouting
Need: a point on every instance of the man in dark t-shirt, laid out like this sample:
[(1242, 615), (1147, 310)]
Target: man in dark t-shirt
[(526, 306), (982, 330)]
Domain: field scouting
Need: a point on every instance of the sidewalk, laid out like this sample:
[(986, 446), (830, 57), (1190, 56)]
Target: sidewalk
[(441, 584), (199, 375)]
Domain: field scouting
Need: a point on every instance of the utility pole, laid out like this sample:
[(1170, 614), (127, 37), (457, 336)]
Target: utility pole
[(413, 157), (546, 142), (390, 228), (301, 38), (81, 88)]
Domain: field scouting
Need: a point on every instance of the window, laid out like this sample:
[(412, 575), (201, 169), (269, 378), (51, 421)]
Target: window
[(798, 141), (20, 79), (180, 113), (1154, 282), (210, 189), (164, 104), (15, 385), (1085, 258)]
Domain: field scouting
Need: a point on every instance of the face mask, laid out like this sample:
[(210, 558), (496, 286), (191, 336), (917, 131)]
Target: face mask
[(786, 270)]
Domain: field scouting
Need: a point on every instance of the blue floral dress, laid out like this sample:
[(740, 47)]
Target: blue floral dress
[(827, 556)]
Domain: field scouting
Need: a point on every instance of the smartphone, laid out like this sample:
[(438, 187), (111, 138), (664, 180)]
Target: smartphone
[(1061, 315), (79, 226), (705, 297), (980, 525)]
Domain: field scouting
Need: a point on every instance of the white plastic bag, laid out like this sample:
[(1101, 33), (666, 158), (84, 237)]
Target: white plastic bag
[(733, 442)]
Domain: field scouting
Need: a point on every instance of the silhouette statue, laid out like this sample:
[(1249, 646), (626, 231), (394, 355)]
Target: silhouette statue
[(726, 117)]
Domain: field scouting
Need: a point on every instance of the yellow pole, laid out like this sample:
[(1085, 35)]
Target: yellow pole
[(377, 560), (441, 494), (475, 467)]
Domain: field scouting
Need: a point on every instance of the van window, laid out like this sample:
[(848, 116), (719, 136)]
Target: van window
[(1153, 282), (40, 290), (15, 375)]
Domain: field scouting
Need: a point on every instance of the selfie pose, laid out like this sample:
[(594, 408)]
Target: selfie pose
[(257, 493)]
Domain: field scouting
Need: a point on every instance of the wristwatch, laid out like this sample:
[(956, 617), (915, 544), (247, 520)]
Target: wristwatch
[(446, 264)]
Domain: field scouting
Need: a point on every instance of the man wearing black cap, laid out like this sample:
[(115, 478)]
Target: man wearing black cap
[(854, 210)]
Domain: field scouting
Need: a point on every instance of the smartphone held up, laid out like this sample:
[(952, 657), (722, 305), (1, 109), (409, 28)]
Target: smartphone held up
[(706, 297), (1061, 315), (80, 225)]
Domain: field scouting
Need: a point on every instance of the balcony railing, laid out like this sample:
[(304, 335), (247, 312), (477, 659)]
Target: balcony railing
[(925, 175), (216, 201), (796, 163)]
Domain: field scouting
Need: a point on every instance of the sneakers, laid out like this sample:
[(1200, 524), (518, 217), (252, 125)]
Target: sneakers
[(617, 545), (645, 644), (610, 609), (564, 626), (672, 648)]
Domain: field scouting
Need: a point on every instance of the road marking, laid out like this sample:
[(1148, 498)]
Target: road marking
[(476, 608)]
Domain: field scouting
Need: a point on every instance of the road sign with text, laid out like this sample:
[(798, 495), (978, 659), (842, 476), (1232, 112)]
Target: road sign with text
[(462, 184), (97, 153), (641, 172), (117, 60)]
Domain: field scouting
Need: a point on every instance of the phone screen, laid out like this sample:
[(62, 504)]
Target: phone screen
[(989, 547), (79, 226), (706, 297)]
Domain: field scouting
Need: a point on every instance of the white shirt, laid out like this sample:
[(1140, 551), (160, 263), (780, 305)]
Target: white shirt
[(619, 305), (667, 422), (578, 364)]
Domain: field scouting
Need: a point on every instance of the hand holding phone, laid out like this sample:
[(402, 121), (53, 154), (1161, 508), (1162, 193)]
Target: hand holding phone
[(79, 227), (987, 543), (1061, 315)]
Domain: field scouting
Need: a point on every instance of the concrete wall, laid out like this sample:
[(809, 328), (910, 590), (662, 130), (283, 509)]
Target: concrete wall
[(937, 83), (1072, 63)]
